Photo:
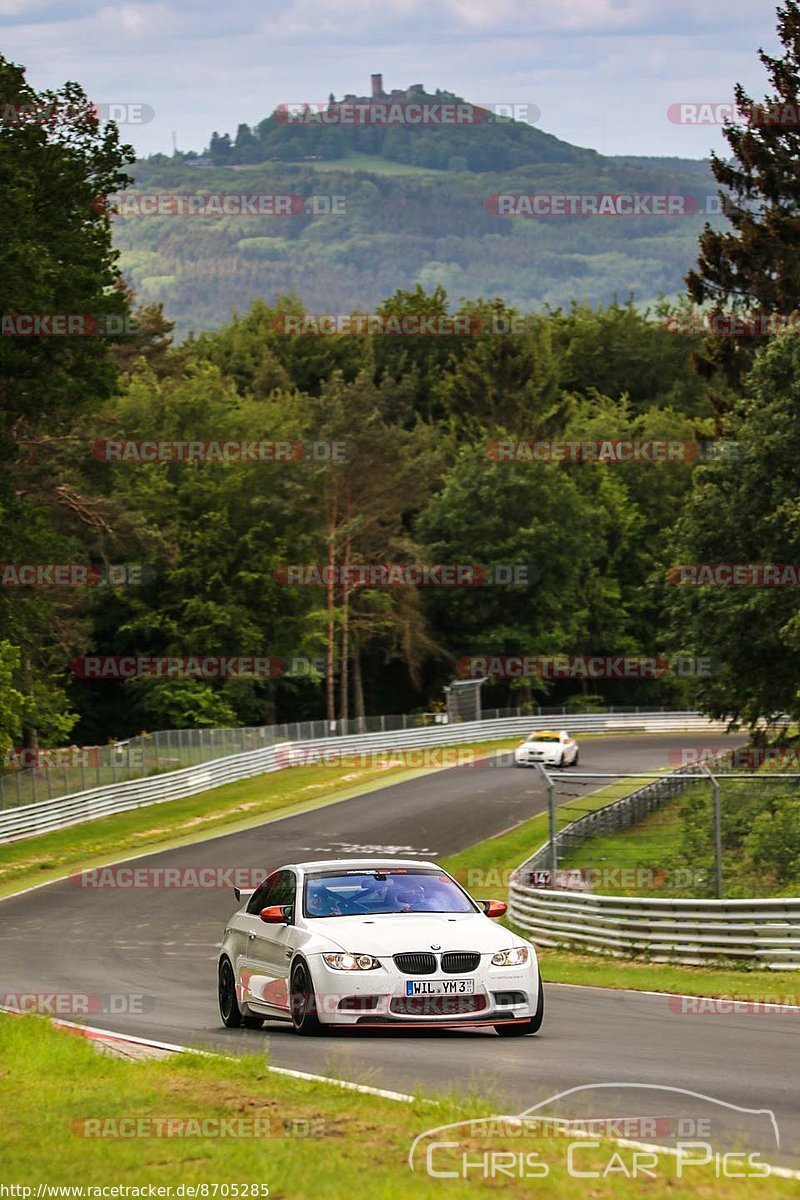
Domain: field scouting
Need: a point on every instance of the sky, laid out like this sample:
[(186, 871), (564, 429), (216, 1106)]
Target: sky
[(603, 73)]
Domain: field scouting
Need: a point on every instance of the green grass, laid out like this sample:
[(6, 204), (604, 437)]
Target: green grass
[(297, 1138), (354, 161), (226, 809), (643, 847), (741, 983)]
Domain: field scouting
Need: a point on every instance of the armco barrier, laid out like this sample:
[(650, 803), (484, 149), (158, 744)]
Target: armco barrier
[(47, 815), (765, 932)]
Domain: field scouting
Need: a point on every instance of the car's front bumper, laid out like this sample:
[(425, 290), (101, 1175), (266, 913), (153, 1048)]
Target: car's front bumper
[(379, 997), (533, 760)]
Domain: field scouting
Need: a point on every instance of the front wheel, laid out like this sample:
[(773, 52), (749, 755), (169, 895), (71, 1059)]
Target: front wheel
[(523, 1028), (304, 1003)]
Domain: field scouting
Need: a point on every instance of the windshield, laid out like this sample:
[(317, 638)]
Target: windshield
[(544, 737), (356, 893)]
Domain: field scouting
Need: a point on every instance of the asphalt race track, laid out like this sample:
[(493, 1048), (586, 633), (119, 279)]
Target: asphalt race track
[(161, 945)]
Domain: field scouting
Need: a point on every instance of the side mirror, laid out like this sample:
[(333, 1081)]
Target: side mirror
[(494, 908), (275, 914)]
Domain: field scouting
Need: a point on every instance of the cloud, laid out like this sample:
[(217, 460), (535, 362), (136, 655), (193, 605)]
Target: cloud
[(603, 72)]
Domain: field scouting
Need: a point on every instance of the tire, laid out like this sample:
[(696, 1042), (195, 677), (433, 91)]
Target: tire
[(523, 1028), (577, 758), (226, 994), (304, 1003)]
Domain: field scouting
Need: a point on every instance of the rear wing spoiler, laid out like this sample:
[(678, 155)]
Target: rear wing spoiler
[(239, 892)]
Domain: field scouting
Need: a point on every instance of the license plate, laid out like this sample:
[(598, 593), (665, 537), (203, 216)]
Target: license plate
[(440, 987)]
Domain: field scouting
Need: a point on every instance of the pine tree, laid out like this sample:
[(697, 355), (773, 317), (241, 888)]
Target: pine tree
[(756, 265)]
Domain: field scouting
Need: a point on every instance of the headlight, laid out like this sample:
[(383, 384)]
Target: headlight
[(516, 957), (351, 962)]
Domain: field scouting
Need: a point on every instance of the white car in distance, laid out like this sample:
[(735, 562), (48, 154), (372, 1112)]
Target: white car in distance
[(371, 942), (549, 749)]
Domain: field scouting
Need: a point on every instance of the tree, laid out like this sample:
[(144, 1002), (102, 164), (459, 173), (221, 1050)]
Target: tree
[(362, 505), (220, 147), (755, 266), (747, 511), (12, 700), (55, 258)]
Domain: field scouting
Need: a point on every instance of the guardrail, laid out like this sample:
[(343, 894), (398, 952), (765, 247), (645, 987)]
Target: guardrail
[(30, 819), (684, 931), (763, 931), (52, 773)]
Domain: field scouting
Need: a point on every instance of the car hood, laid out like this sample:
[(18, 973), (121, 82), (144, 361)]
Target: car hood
[(547, 747), (396, 933)]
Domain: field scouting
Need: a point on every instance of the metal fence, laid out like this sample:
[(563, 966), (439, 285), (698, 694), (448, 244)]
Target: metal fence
[(80, 767), (25, 820), (619, 814), (688, 931)]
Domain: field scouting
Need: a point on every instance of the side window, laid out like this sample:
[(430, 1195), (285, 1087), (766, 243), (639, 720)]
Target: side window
[(286, 889), (262, 896), (277, 888)]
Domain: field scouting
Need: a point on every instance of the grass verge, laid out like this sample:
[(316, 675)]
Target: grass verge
[(296, 1138), (620, 857)]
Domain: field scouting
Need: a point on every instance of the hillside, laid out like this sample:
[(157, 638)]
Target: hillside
[(437, 130), (405, 223)]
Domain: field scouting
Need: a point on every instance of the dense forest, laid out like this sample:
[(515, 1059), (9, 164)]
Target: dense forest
[(191, 557), (392, 231)]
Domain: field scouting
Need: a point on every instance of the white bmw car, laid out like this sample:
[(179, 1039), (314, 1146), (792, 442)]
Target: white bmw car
[(549, 749), (352, 942)]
